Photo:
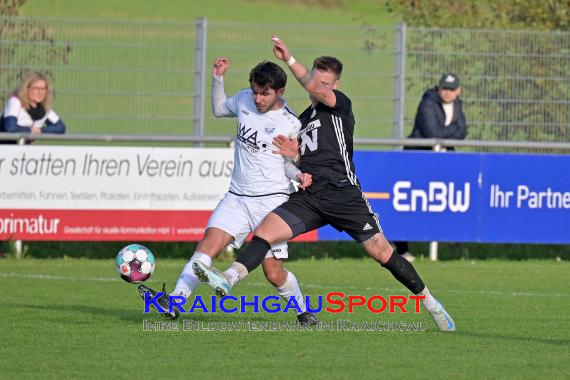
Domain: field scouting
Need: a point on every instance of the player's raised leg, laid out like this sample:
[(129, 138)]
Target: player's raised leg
[(378, 248), (212, 243), (273, 229)]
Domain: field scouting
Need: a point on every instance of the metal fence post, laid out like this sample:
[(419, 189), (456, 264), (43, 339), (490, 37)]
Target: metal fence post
[(433, 245), (18, 244), (399, 82), (433, 250), (199, 77), (18, 249)]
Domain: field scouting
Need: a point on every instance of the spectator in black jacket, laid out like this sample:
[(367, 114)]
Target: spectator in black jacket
[(440, 115)]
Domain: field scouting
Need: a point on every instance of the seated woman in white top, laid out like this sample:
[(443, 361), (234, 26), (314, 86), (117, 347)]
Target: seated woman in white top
[(29, 110)]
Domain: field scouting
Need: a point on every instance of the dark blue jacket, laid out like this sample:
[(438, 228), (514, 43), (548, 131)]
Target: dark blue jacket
[(10, 124), (430, 119)]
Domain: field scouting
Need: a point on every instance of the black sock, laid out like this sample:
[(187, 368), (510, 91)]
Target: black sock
[(404, 272), (254, 253), (401, 247)]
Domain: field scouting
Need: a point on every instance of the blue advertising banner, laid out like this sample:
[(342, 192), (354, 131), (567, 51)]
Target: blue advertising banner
[(469, 197)]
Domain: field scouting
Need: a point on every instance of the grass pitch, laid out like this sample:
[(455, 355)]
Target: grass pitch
[(74, 318)]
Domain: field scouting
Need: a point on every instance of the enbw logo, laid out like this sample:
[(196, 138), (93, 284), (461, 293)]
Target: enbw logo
[(438, 197)]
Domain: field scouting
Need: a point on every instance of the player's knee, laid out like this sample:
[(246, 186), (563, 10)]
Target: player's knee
[(264, 233), (273, 229), (214, 241), (386, 253), (379, 249), (209, 248)]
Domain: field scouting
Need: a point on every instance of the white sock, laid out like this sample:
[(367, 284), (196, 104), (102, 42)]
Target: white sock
[(429, 302), (291, 289), (188, 281), (235, 273)]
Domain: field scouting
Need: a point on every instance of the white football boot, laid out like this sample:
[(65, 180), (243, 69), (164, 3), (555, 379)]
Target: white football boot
[(441, 318), (213, 278)]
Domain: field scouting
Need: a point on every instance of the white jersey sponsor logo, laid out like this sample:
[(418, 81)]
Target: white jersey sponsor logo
[(257, 170)]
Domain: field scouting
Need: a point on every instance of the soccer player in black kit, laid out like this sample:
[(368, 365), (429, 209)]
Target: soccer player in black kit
[(335, 197)]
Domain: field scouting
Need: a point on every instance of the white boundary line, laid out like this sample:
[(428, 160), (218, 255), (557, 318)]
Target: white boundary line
[(50, 277)]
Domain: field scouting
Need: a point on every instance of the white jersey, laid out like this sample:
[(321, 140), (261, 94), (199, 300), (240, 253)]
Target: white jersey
[(15, 109), (257, 171)]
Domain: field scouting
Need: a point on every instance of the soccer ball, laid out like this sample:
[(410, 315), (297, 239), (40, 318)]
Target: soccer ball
[(135, 263)]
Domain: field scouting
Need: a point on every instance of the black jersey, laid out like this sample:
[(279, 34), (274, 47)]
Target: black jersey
[(326, 144)]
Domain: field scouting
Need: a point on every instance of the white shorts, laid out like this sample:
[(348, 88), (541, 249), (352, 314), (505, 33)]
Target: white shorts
[(239, 216)]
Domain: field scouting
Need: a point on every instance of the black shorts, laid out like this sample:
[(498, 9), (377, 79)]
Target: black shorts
[(344, 208)]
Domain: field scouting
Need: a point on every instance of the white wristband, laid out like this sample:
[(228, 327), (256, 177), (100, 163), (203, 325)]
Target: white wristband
[(291, 61)]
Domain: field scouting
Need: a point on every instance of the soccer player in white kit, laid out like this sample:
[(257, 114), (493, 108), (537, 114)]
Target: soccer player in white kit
[(261, 180)]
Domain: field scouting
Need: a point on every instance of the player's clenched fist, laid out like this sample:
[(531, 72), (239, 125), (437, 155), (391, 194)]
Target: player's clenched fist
[(221, 65), (305, 180)]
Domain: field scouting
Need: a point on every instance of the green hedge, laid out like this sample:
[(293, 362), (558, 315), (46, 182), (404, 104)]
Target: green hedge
[(334, 249)]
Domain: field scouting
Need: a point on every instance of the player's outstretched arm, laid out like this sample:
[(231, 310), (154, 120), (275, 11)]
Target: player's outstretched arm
[(219, 98), (302, 74)]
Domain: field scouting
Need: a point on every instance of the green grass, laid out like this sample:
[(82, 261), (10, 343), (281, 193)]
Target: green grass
[(68, 318)]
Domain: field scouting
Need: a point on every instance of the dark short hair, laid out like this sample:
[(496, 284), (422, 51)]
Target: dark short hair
[(328, 64), (268, 74)]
